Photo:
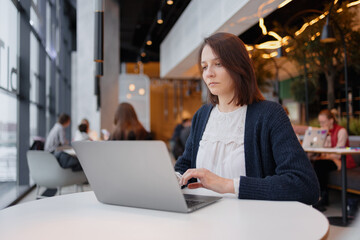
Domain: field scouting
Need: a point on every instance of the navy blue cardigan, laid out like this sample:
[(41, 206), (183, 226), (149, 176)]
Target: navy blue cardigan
[(277, 167)]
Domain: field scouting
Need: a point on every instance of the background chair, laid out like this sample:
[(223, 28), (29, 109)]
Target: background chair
[(46, 172)]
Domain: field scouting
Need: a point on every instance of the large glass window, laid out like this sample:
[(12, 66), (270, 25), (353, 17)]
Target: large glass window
[(8, 89), (42, 21), (8, 46), (8, 152)]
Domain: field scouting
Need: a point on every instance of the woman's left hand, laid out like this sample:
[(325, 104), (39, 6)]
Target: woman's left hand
[(208, 180)]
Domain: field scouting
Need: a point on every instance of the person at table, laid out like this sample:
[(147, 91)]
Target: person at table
[(127, 125), (241, 143), (57, 139), (178, 139), (57, 135), (82, 133), (325, 163), (91, 133)]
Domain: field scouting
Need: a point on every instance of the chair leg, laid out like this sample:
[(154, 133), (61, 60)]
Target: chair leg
[(59, 190), (37, 191)]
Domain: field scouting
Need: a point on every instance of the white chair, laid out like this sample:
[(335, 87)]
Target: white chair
[(46, 172)]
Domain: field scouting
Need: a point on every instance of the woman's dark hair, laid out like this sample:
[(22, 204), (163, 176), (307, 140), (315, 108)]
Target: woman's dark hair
[(127, 125), (83, 128), (63, 118), (329, 115), (235, 58)]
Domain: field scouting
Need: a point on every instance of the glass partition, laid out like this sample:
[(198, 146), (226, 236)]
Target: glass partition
[(8, 97)]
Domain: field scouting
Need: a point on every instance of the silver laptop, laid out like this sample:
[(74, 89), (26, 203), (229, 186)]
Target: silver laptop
[(135, 174), (314, 138)]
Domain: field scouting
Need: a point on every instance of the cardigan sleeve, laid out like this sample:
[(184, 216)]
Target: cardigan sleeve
[(287, 173)]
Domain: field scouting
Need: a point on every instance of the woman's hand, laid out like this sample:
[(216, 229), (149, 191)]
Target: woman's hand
[(208, 180)]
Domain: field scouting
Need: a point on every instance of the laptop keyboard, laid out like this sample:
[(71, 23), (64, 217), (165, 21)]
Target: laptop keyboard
[(191, 203)]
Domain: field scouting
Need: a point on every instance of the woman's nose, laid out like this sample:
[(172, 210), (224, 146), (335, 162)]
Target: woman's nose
[(209, 72)]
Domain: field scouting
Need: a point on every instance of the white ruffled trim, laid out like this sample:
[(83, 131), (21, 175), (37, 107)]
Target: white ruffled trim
[(239, 139), (225, 127)]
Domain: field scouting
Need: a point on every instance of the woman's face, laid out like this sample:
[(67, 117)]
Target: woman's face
[(215, 75), (325, 122)]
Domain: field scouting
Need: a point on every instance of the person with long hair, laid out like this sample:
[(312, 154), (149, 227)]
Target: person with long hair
[(325, 163), (240, 143), (127, 125)]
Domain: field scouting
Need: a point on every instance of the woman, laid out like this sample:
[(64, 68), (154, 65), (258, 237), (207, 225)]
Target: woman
[(81, 133), (127, 125), (338, 137), (241, 143)]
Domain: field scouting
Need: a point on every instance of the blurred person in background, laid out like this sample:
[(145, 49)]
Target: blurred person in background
[(325, 163), (127, 125), (57, 135), (178, 139)]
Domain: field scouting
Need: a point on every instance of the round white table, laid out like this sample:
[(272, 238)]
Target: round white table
[(81, 216)]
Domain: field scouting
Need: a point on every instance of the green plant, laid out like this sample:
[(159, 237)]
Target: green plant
[(262, 73), (327, 59), (314, 122), (354, 125), (297, 89)]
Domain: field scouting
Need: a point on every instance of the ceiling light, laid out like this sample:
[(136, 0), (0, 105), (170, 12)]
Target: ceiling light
[(284, 3), (327, 34), (353, 3), (141, 91), (169, 2), (148, 40), (132, 87), (159, 18), (280, 52)]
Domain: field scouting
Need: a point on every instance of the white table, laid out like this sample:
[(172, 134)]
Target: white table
[(343, 220), (81, 216), (70, 151)]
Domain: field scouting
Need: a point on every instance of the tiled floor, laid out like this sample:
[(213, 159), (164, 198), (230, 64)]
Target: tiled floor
[(334, 209)]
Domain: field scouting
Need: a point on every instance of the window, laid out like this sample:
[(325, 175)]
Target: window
[(8, 128), (8, 90)]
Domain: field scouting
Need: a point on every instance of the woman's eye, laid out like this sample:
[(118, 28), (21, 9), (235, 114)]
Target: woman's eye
[(204, 67), (218, 64)]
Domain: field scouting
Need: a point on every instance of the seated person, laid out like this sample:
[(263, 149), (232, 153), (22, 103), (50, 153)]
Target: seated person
[(127, 125), (57, 139), (177, 141), (324, 163), (241, 143), (91, 133), (57, 135), (82, 133)]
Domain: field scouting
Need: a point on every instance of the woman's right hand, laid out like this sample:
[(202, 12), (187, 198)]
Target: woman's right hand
[(208, 180)]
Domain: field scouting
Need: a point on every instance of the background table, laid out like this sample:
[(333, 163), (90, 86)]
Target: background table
[(81, 216), (343, 220)]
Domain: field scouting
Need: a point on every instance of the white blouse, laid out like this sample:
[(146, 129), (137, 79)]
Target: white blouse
[(221, 149)]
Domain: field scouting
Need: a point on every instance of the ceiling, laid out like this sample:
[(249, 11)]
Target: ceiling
[(138, 20)]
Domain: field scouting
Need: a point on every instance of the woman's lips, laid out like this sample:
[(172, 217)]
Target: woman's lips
[(212, 84)]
